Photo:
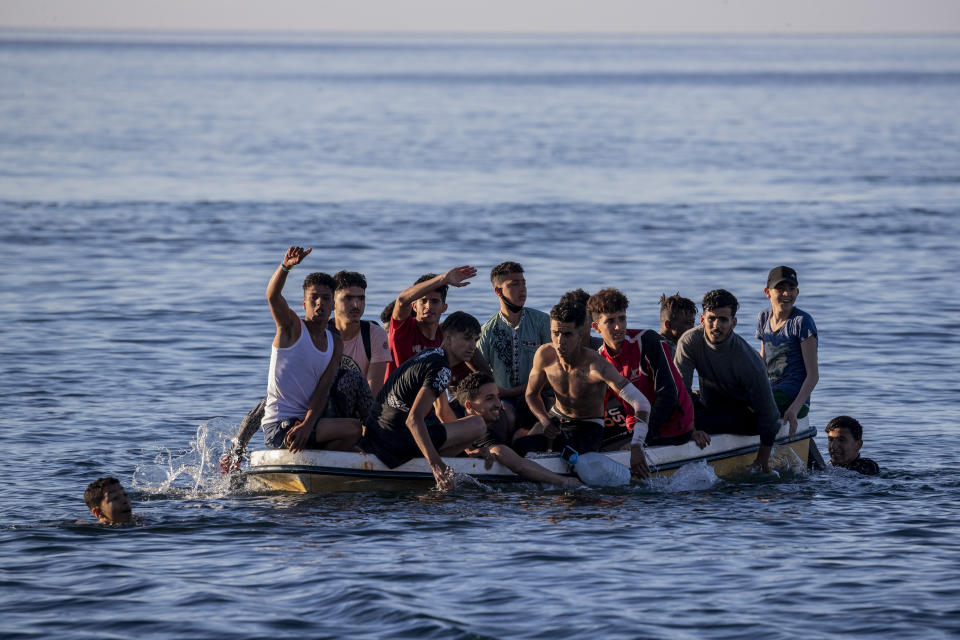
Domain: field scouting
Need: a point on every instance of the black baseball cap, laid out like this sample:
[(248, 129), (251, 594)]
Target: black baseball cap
[(781, 274)]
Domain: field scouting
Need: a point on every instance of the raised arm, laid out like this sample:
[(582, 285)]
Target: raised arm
[(286, 319), (456, 277), (298, 435), (809, 350), (416, 422)]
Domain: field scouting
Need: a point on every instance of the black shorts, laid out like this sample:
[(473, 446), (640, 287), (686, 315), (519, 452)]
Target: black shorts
[(582, 435), (396, 446)]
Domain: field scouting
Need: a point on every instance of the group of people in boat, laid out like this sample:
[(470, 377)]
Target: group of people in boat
[(524, 381)]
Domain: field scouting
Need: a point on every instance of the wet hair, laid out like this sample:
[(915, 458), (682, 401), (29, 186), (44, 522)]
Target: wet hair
[(671, 308), (344, 279), (500, 272), (387, 313), (318, 278), (442, 289), (97, 490), (469, 386), (846, 422), (578, 297), (606, 301), (720, 298), (567, 311), (460, 322)]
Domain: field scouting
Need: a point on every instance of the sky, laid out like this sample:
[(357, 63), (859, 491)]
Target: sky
[(491, 16)]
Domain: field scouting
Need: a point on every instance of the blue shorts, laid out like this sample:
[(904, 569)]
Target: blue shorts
[(275, 432)]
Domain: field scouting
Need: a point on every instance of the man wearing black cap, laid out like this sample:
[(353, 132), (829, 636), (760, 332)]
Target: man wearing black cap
[(788, 344)]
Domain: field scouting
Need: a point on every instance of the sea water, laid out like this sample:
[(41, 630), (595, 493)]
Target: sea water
[(150, 184)]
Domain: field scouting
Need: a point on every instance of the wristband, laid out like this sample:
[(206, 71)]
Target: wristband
[(288, 270)]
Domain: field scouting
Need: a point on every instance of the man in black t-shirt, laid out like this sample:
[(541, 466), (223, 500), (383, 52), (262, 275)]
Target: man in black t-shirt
[(399, 429), (844, 439)]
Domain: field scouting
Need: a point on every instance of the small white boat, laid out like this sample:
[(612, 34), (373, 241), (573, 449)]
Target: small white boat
[(325, 471)]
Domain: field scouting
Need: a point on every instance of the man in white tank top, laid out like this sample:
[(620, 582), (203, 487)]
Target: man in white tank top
[(303, 364)]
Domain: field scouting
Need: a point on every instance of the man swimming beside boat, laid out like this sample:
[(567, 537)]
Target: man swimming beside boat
[(479, 395), (844, 439), (735, 394), (579, 376), (400, 427)]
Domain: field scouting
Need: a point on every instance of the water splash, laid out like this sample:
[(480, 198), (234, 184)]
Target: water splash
[(193, 472), (785, 459)]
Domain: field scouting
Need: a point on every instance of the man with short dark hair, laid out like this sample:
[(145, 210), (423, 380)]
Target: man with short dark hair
[(479, 395), (364, 342), (735, 394), (645, 359), (676, 317), (415, 320), (511, 337), (399, 429), (579, 377), (844, 439), (107, 501)]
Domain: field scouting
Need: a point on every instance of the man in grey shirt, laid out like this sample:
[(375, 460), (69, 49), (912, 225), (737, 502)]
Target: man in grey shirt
[(735, 394)]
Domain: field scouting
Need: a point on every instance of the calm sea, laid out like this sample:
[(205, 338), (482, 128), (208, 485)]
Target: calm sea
[(149, 185)]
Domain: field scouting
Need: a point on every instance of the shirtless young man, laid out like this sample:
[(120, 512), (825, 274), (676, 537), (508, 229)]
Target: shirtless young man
[(579, 377)]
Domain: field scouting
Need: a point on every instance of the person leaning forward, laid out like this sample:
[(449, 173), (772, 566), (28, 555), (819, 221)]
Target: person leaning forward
[(399, 429), (735, 394)]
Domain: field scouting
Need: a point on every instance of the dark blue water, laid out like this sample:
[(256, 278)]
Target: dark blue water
[(149, 185)]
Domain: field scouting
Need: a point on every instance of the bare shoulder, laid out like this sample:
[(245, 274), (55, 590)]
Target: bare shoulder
[(545, 354)]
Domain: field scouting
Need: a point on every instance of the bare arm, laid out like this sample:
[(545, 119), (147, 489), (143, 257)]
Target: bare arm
[(535, 384), (286, 319), (376, 372), (809, 350), (416, 422), (298, 435), (456, 277)]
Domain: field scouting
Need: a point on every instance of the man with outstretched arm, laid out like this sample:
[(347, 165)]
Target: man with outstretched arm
[(415, 320), (401, 428), (579, 377), (479, 395), (303, 362), (735, 394)]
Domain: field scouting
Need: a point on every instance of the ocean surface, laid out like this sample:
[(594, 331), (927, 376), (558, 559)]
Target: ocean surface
[(150, 184)]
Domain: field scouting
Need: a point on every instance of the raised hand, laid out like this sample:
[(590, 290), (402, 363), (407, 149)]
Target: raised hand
[(457, 276), (295, 256)]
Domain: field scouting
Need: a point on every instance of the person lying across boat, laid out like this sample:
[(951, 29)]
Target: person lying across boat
[(364, 342), (735, 394), (844, 439), (676, 318), (108, 502), (788, 345), (579, 377), (479, 394), (415, 320), (510, 338), (400, 427), (304, 363), (644, 358)]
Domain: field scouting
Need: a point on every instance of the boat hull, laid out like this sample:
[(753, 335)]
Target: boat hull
[(316, 471)]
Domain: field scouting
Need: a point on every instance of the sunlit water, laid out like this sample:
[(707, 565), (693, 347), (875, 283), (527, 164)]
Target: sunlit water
[(149, 187)]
